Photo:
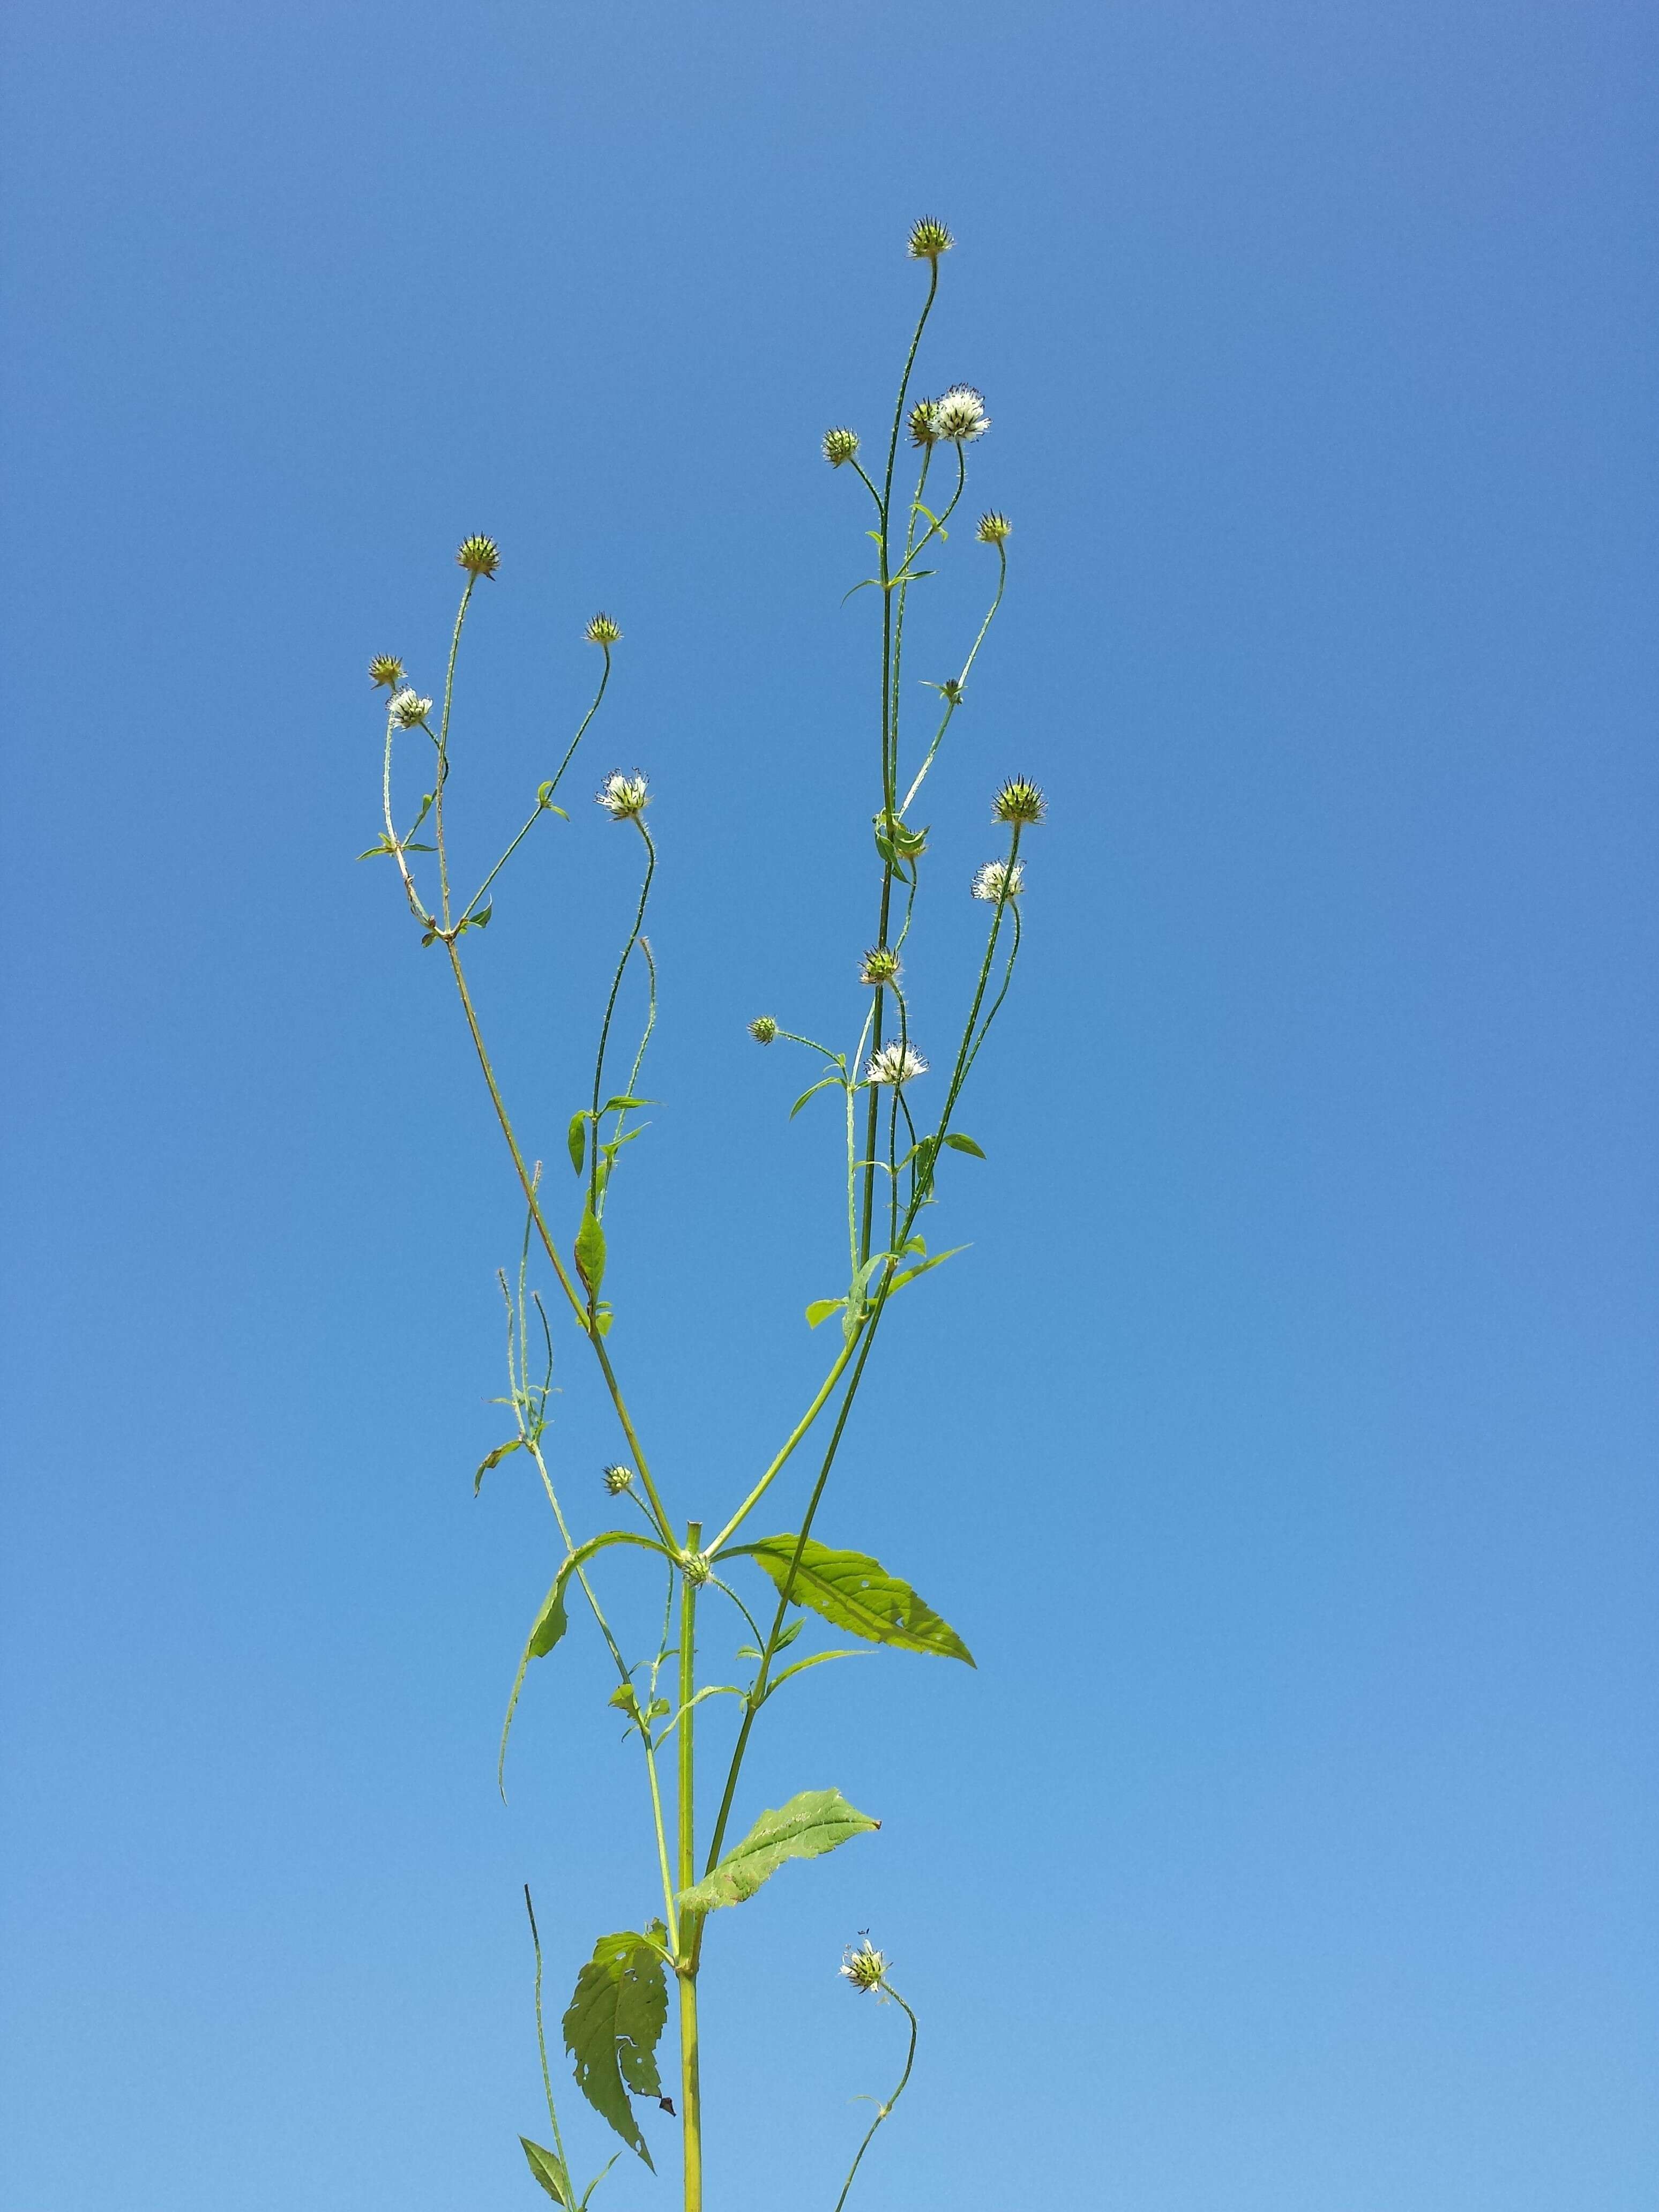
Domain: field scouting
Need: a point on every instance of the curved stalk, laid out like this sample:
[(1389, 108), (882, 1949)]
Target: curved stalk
[(881, 2110)]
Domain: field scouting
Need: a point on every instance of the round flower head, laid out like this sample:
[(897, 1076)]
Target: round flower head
[(1018, 800), (879, 966), (618, 1478), (993, 528), (763, 1028), (840, 447), (479, 557), (962, 414), (863, 1966), (408, 708), (923, 421), (622, 796), (696, 1567), (385, 668), (929, 239), (602, 631), (896, 1063), (999, 880)]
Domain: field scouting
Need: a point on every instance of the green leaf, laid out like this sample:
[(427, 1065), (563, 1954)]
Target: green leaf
[(610, 2161), (910, 1273), (386, 845), (550, 2170), (616, 1105), (807, 1827), (822, 1083), (611, 2028), (958, 1143), (590, 1251), (551, 1621), (576, 1140), (821, 1308), (856, 1593), (495, 1459)]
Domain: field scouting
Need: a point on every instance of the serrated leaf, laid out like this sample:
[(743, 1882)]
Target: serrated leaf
[(816, 1821), (590, 1251), (550, 2170), (855, 1592), (611, 2028), (576, 1140), (958, 1143), (821, 1308), (495, 1459)]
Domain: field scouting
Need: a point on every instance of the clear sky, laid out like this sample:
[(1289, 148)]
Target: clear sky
[(1285, 1446)]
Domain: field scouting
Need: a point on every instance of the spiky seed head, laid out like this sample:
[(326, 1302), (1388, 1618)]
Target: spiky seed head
[(479, 557), (839, 447), (879, 966), (696, 1567), (410, 709), (763, 1028), (993, 528), (929, 239), (602, 631), (962, 414), (385, 668), (997, 881), (618, 1478), (622, 796), (896, 1063), (863, 1966), (923, 423), (1018, 800)]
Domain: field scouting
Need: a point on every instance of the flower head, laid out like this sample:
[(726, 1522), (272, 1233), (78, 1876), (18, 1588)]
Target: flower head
[(923, 423), (896, 1063), (929, 239), (479, 557), (385, 668), (618, 1478), (962, 414), (863, 1965), (1018, 800), (840, 447), (763, 1028), (602, 631), (622, 796), (993, 528), (696, 1567), (879, 966), (408, 708), (999, 880)]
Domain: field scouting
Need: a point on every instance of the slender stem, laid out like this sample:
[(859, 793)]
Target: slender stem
[(686, 1948), (443, 746), (541, 2032), (788, 1450), (595, 1193), (881, 2110)]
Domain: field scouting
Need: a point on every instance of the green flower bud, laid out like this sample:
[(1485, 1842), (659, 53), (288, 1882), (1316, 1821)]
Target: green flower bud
[(479, 557)]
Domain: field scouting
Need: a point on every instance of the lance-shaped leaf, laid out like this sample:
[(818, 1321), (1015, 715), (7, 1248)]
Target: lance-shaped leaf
[(856, 1593), (550, 2170), (611, 2027), (590, 1251), (495, 1459), (551, 1621), (805, 1828)]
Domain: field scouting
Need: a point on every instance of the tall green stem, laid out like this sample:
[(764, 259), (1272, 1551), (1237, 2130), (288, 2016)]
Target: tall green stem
[(686, 1961)]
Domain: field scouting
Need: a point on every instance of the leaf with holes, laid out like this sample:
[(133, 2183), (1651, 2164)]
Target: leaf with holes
[(856, 1593), (808, 1826), (612, 2027)]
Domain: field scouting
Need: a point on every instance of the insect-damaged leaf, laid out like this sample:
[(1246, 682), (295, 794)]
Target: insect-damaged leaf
[(805, 1828), (857, 1593), (612, 2027)]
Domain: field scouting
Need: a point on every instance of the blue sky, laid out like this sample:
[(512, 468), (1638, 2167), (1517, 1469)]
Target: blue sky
[(1285, 1445)]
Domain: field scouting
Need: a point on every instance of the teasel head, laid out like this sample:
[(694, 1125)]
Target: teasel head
[(618, 1478), (602, 631), (409, 710), (1019, 800), (696, 1567), (999, 880), (840, 447), (928, 240), (897, 1062), (624, 798), (995, 529), (385, 668), (922, 423), (962, 414), (763, 1028), (863, 1965), (479, 557), (879, 967)]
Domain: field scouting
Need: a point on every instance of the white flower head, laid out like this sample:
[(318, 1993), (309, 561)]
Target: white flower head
[(863, 1965), (897, 1062), (408, 708), (622, 796), (962, 414), (999, 880)]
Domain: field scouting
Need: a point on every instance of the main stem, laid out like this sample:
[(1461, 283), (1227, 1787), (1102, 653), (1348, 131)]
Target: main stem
[(686, 1965)]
